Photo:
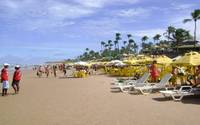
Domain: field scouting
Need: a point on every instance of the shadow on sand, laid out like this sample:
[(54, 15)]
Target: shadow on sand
[(191, 100), (8, 94), (186, 100)]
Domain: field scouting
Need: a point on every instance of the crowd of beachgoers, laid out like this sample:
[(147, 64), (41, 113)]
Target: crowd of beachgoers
[(159, 72)]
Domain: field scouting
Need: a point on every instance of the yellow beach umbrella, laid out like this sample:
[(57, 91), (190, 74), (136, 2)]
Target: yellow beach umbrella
[(163, 60), (189, 59), (130, 61), (144, 59)]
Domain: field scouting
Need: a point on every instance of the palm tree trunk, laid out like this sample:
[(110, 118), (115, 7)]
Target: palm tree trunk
[(118, 47), (195, 28)]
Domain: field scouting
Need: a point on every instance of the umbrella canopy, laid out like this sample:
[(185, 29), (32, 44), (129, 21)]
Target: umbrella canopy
[(144, 59), (163, 60), (81, 63), (176, 58), (115, 63), (130, 61), (189, 59)]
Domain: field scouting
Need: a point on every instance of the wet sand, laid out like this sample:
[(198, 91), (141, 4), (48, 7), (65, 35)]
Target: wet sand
[(88, 101)]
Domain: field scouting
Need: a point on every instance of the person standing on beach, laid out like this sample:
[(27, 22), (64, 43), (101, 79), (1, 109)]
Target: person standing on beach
[(4, 79), (54, 70), (154, 72), (47, 71), (16, 79)]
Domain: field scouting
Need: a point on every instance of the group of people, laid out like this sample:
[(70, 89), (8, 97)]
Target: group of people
[(5, 79), (48, 69), (186, 75)]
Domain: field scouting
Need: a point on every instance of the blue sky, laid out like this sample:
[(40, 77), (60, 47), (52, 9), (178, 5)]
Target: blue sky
[(35, 31)]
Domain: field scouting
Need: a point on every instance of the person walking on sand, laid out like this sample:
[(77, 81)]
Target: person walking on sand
[(4, 79), (16, 79)]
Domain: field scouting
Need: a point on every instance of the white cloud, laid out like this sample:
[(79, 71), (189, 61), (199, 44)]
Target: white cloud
[(36, 14), (62, 10), (134, 12), (182, 6), (102, 3)]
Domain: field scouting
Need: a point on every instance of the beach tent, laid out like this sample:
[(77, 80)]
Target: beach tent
[(189, 59)]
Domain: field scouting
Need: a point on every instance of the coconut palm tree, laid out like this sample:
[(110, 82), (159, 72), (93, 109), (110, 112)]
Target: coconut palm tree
[(179, 36), (116, 43), (87, 49), (129, 36), (117, 38), (170, 31), (195, 16), (144, 39), (130, 45), (156, 37), (102, 45), (124, 43)]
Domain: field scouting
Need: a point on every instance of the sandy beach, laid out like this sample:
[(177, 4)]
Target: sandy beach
[(88, 101)]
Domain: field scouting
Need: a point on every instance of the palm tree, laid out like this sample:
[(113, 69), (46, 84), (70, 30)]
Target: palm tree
[(135, 47), (170, 31), (106, 46), (156, 37), (87, 49), (124, 43), (116, 43), (117, 38), (144, 39), (102, 45), (129, 36), (179, 36), (109, 42), (195, 16), (130, 45)]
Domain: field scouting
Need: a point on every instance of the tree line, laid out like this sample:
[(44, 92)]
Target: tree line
[(172, 38)]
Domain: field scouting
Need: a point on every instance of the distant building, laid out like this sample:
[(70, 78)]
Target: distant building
[(172, 50)]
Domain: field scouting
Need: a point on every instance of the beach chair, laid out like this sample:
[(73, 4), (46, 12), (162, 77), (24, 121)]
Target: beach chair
[(177, 95), (131, 83), (149, 87)]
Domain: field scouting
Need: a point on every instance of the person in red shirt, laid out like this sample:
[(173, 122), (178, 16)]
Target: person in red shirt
[(154, 72), (4, 79), (16, 79)]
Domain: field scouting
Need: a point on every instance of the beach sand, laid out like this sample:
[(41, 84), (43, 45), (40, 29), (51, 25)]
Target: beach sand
[(88, 101)]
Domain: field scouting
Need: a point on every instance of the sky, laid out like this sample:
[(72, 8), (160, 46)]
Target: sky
[(36, 31)]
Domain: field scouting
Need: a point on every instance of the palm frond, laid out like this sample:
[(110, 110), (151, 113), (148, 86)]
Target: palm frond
[(187, 20)]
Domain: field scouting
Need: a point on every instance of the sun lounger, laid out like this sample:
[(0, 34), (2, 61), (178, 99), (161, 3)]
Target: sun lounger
[(177, 95), (148, 88), (131, 83)]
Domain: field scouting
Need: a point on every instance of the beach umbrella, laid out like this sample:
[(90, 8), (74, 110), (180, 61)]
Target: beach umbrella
[(81, 63), (130, 61), (144, 59), (163, 60), (115, 61), (189, 59), (121, 64), (176, 58)]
